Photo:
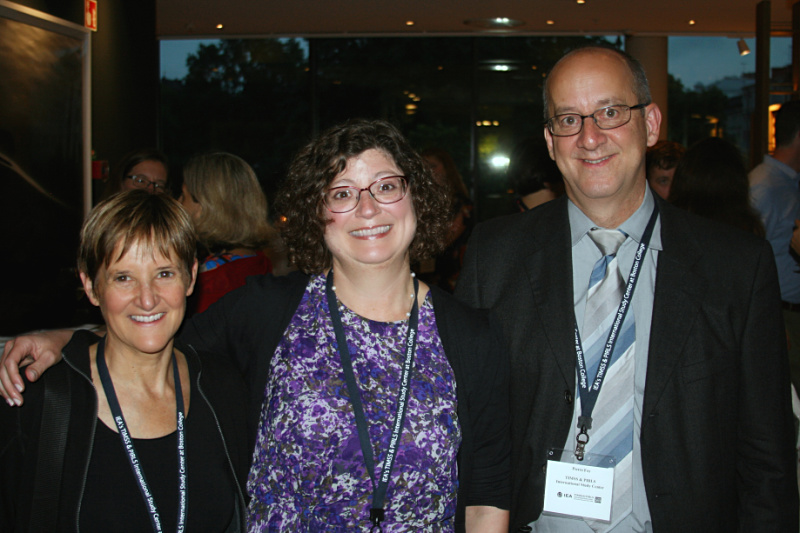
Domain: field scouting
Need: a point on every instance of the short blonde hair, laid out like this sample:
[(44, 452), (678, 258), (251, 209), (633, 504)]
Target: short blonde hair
[(234, 208), (154, 221)]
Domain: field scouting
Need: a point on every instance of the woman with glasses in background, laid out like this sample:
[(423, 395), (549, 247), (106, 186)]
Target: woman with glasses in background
[(145, 168)]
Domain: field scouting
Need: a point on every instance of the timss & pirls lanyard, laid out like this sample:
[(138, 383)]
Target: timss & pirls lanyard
[(376, 513), (127, 442), (589, 393)]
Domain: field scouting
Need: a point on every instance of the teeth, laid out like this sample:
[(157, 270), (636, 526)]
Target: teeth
[(595, 161), (371, 231), (148, 318)]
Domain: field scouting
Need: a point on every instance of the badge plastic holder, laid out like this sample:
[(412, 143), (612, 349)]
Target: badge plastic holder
[(576, 499)]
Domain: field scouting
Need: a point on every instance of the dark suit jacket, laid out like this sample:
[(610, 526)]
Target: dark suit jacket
[(717, 441)]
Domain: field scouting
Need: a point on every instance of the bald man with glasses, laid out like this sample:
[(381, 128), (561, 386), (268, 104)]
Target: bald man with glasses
[(650, 387)]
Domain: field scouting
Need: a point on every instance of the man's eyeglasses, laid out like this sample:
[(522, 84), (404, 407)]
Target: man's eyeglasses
[(606, 118), (140, 181), (386, 190)]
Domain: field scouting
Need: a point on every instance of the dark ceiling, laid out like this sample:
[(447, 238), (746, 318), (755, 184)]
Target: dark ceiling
[(310, 18)]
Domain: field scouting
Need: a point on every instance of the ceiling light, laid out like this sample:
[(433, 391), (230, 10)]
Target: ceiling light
[(692, 22), (581, 1), (501, 68), (409, 23), (220, 26), (499, 161), (494, 24), (551, 22), (743, 48)]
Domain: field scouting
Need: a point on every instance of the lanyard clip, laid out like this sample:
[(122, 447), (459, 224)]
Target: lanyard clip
[(583, 439), (376, 516)]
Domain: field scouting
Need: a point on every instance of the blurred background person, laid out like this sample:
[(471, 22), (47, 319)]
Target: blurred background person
[(124, 400), (443, 270), (711, 181), (533, 175), (775, 195), (221, 193), (662, 158), (146, 168)]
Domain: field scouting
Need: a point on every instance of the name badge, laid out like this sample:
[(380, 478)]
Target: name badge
[(578, 490)]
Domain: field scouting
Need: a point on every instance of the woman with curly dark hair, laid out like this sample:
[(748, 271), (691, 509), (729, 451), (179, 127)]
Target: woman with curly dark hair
[(374, 399), (385, 399)]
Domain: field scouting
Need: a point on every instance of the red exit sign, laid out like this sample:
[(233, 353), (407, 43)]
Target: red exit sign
[(90, 14)]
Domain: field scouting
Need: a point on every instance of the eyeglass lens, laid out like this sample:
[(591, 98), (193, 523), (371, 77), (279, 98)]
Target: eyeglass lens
[(606, 118), (385, 191), (140, 182)]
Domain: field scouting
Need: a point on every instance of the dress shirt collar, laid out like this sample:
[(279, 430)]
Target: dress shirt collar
[(634, 226), (785, 169)]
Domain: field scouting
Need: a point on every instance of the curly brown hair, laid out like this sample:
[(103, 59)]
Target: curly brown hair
[(302, 213)]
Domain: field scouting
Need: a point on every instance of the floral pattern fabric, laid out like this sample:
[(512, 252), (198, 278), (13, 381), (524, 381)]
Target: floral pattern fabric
[(308, 470)]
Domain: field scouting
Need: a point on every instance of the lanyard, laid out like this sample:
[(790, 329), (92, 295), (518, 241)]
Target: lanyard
[(376, 513), (589, 393), (116, 411)]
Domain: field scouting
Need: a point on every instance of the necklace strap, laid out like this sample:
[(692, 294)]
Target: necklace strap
[(127, 441), (380, 487)]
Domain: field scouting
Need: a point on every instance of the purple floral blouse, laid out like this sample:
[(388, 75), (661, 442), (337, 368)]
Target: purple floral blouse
[(308, 470)]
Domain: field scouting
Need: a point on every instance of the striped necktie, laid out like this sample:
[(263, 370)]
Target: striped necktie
[(612, 426)]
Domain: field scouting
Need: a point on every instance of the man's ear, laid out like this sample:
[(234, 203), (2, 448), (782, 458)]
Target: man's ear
[(88, 287), (549, 139), (652, 117)]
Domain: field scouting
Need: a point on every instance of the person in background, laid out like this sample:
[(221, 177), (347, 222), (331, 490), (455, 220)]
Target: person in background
[(711, 181), (140, 169), (137, 412), (229, 211), (775, 195), (444, 272), (662, 158), (643, 338), (533, 175), (356, 371)]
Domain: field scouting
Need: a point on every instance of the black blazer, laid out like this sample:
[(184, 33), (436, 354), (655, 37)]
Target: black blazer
[(716, 437)]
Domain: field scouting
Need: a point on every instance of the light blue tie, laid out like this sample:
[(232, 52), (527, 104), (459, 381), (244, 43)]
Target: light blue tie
[(612, 425)]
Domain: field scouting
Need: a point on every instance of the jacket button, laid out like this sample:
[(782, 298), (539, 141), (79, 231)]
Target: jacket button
[(568, 397), (544, 468)]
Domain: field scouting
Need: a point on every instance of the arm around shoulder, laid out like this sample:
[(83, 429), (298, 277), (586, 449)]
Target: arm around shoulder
[(42, 350)]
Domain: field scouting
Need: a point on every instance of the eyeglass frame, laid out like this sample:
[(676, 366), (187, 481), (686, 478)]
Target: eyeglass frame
[(631, 108), (404, 179), (157, 187)]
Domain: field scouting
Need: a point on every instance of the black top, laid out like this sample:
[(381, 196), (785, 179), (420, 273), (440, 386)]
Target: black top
[(110, 479), (216, 388)]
